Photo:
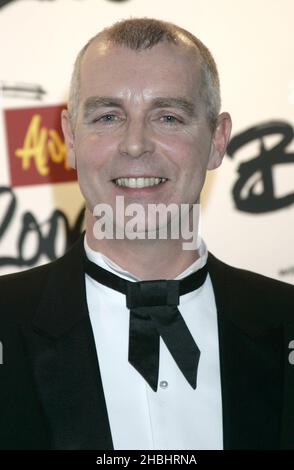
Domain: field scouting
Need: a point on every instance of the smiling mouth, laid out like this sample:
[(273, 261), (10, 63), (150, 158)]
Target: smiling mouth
[(139, 182)]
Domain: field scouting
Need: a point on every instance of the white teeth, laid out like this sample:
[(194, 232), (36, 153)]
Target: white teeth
[(139, 182)]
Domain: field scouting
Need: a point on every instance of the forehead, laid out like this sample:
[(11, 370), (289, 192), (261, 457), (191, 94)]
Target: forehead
[(165, 68)]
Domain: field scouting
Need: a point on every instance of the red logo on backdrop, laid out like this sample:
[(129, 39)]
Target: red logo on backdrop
[(37, 152)]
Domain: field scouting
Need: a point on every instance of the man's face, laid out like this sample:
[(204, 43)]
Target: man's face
[(140, 115)]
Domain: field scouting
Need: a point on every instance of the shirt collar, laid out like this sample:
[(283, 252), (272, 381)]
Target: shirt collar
[(104, 262)]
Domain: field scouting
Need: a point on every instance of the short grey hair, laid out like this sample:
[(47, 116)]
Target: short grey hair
[(144, 33)]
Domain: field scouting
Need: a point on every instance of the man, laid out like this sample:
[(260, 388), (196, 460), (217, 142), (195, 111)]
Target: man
[(132, 342)]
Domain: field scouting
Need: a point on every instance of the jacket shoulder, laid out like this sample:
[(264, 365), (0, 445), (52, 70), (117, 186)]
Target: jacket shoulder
[(21, 292), (247, 277), (271, 300), (32, 278)]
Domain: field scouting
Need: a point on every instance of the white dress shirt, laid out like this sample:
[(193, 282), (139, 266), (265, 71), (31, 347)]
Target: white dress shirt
[(176, 417)]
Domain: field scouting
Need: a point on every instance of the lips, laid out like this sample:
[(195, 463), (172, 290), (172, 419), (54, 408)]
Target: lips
[(140, 182)]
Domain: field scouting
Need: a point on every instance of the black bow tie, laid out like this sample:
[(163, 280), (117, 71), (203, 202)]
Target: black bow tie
[(154, 313)]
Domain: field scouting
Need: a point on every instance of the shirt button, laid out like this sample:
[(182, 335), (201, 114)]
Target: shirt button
[(163, 384)]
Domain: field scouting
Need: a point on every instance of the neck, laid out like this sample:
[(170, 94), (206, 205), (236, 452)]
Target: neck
[(146, 259)]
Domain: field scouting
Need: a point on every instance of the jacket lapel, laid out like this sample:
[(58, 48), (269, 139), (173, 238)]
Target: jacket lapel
[(251, 352), (65, 365)]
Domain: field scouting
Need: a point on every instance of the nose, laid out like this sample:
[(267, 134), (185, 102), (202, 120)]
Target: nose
[(136, 140)]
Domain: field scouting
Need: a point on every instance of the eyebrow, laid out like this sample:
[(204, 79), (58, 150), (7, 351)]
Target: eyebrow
[(175, 102), (95, 102)]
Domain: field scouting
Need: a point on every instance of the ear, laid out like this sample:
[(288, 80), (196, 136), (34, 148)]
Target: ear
[(219, 140), (68, 137)]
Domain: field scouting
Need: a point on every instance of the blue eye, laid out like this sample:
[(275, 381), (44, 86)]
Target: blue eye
[(168, 118), (107, 118)]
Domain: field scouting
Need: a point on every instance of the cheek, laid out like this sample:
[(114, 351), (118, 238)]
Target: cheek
[(94, 152), (188, 154)]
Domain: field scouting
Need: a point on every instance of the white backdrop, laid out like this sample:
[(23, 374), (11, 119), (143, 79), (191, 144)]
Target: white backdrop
[(252, 43)]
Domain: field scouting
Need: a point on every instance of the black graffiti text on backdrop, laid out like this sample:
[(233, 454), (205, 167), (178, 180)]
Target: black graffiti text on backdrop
[(6, 2), (22, 90), (259, 168), (45, 243)]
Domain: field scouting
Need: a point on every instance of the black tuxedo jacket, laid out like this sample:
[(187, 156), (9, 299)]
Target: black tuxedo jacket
[(51, 395)]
